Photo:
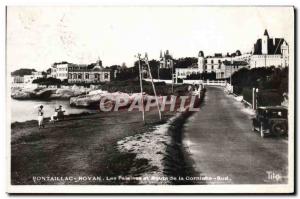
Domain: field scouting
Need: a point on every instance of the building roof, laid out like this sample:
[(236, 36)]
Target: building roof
[(274, 45), (166, 55), (97, 68), (200, 54), (218, 55), (266, 33), (62, 62)]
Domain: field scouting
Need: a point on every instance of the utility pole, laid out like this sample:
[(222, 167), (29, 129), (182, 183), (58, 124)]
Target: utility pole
[(158, 71), (172, 71), (141, 85), (156, 99), (231, 70)]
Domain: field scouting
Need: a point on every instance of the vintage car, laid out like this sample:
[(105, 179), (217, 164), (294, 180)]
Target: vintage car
[(271, 120)]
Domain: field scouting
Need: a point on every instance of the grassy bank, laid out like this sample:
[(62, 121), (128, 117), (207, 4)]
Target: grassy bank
[(177, 162), (81, 145)]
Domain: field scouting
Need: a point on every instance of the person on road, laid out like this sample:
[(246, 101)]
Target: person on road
[(41, 117)]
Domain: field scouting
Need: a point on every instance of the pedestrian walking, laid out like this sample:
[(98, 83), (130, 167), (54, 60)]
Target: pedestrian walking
[(41, 117)]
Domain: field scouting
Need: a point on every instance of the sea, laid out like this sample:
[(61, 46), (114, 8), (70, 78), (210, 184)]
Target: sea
[(24, 110)]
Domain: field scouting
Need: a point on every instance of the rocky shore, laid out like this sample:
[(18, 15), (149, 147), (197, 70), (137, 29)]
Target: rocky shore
[(48, 93)]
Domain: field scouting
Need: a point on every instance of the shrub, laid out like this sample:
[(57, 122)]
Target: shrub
[(269, 98), (247, 94), (237, 90), (47, 81)]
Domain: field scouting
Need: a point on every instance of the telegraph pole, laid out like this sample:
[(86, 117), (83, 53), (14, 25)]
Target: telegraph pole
[(172, 71), (231, 70), (141, 85), (156, 99)]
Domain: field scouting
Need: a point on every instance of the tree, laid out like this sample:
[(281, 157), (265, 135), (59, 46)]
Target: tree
[(123, 65), (194, 76), (115, 67), (165, 73), (185, 62), (154, 67), (270, 78), (47, 81), (238, 53), (23, 71), (128, 74), (208, 76)]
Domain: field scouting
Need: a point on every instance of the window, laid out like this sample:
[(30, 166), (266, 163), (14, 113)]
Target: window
[(79, 76), (70, 76), (75, 76), (212, 67), (212, 61), (105, 75), (87, 76)]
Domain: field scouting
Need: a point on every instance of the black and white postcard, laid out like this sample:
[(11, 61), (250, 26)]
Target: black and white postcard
[(150, 99)]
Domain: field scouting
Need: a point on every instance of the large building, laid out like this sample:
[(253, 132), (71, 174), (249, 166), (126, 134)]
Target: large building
[(26, 80), (222, 65), (229, 67), (34, 75), (93, 73), (166, 60), (60, 70), (16, 79), (213, 63), (81, 73), (270, 52)]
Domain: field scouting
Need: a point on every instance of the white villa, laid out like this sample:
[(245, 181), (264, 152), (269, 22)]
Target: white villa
[(270, 52)]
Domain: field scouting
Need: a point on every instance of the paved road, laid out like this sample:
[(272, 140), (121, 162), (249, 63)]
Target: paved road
[(221, 143)]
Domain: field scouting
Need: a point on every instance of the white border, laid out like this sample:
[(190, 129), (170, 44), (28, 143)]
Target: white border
[(141, 189)]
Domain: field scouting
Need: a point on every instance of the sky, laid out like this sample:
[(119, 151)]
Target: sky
[(39, 36)]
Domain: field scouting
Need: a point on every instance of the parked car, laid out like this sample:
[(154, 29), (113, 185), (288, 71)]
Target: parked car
[(271, 120)]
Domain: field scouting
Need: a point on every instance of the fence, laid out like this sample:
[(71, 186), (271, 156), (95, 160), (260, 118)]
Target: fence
[(167, 81), (186, 81), (215, 82)]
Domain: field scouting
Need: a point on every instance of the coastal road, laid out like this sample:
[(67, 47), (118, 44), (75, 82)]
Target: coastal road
[(225, 150)]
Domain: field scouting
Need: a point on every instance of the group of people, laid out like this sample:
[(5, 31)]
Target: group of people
[(58, 114)]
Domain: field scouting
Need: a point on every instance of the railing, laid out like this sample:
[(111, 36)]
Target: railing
[(188, 81), (205, 82), (214, 82), (167, 81)]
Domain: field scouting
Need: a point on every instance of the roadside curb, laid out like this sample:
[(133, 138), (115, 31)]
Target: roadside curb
[(176, 161)]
